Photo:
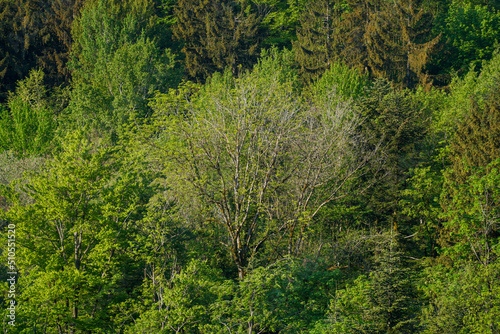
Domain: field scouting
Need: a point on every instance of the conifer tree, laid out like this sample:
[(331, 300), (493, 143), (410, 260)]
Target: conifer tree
[(391, 302), (59, 19), (398, 41), (355, 19), (477, 140), (216, 35), (35, 33), (316, 46)]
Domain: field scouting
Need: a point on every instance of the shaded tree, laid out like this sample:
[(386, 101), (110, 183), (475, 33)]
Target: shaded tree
[(216, 35), (316, 47), (399, 41), (36, 34)]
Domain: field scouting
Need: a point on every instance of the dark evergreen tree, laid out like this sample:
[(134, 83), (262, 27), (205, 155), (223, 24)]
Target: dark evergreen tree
[(392, 304), (216, 35), (56, 53), (316, 47), (397, 123), (8, 75), (355, 19), (399, 41), (477, 140), (35, 33)]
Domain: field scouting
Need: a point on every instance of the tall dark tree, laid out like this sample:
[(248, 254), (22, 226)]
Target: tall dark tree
[(398, 122), (398, 40), (355, 19), (392, 303), (35, 33), (316, 46), (477, 140), (216, 35)]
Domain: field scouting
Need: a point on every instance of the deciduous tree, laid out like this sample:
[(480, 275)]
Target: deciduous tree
[(263, 162)]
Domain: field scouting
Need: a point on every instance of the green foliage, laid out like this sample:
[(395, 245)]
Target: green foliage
[(28, 126), (117, 68), (281, 20), (472, 209), (384, 302), (470, 197), (470, 34), (399, 41), (216, 35), (287, 296), (73, 254), (397, 122), (463, 299), (472, 89), (316, 45), (252, 203), (184, 302), (249, 137), (421, 201), (347, 82)]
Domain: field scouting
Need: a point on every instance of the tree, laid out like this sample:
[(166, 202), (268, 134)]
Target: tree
[(396, 121), (398, 41), (316, 47), (280, 20), (351, 37), (35, 34), (73, 250), (470, 198), (469, 36), (286, 297), (384, 302), (392, 298), (187, 298), (461, 299), (28, 126), (117, 68), (216, 35), (261, 162)]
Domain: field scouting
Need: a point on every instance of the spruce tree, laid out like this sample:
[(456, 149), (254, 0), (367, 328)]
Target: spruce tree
[(355, 19), (399, 41), (392, 297), (59, 19), (35, 33), (216, 35), (316, 47), (477, 140)]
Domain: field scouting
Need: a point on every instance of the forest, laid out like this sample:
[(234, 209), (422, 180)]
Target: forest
[(249, 166)]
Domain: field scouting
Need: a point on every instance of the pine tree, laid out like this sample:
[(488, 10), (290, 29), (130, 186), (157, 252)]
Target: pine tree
[(477, 140), (316, 47), (54, 59), (35, 33), (398, 41), (392, 298), (216, 35), (355, 19)]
